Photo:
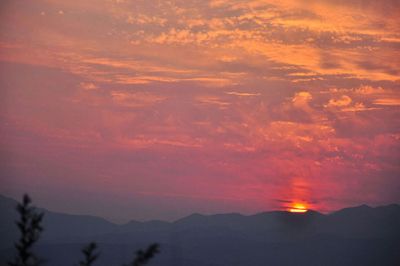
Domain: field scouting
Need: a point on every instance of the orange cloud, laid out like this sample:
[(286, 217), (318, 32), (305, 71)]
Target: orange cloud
[(136, 99), (88, 85), (242, 99), (344, 100), (388, 101), (242, 94), (301, 99)]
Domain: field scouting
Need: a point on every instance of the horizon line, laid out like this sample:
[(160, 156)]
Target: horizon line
[(211, 214)]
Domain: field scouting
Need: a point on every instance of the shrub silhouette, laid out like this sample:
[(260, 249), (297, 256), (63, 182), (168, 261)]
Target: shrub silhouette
[(30, 227), (89, 254), (142, 257)]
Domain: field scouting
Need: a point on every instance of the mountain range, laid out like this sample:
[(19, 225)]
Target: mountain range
[(359, 235)]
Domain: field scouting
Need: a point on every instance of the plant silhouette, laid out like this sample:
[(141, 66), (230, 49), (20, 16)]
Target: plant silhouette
[(143, 257), (89, 254), (30, 228)]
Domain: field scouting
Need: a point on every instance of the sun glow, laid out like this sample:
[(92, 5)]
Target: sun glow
[(298, 207)]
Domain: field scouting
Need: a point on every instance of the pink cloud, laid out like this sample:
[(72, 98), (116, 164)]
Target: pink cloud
[(199, 106)]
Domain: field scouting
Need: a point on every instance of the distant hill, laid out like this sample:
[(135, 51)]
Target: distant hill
[(58, 226), (353, 236)]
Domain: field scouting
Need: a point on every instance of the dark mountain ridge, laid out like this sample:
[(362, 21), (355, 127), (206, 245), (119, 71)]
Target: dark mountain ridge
[(226, 239)]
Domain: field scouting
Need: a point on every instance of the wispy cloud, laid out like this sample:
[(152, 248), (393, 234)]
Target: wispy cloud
[(257, 100)]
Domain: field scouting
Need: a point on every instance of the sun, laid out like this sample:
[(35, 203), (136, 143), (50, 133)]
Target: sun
[(298, 207)]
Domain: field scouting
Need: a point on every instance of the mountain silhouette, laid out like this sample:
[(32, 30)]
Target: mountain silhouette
[(359, 235)]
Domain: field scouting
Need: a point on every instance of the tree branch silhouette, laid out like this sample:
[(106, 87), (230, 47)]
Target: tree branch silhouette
[(143, 257), (89, 254), (30, 227)]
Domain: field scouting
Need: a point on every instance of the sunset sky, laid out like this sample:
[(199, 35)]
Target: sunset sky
[(145, 109)]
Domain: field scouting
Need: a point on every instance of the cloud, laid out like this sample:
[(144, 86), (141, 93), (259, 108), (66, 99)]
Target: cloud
[(136, 99), (245, 101), (344, 100), (213, 100), (358, 107), (302, 98), (242, 94), (88, 86), (369, 90), (387, 102)]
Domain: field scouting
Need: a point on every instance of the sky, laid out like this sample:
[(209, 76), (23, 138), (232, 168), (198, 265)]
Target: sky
[(145, 109)]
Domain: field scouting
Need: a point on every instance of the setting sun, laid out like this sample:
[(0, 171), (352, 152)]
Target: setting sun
[(298, 207)]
